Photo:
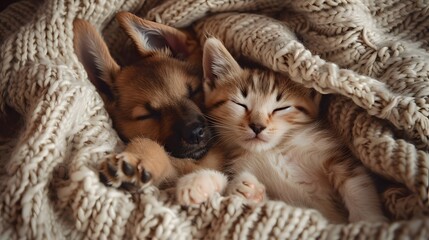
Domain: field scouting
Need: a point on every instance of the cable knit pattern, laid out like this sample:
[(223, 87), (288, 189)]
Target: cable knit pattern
[(371, 56)]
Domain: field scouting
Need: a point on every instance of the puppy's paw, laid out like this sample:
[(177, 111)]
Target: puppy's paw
[(125, 171), (197, 187), (248, 187), (142, 163)]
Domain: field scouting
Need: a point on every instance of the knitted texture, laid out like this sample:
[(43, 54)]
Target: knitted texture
[(372, 56)]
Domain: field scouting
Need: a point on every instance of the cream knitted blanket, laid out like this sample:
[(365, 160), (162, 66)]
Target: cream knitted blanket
[(373, 56)]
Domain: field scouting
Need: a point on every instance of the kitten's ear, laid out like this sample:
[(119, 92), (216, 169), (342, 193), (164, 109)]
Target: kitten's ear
[(312, 104), (218, 63), (317, 98), (151, 37), (92, 52)]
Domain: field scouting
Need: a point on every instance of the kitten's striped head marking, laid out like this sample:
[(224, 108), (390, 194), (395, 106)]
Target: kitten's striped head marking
[(254, 108)]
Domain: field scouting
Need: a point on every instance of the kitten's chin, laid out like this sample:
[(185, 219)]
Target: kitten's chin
[(256, 145)]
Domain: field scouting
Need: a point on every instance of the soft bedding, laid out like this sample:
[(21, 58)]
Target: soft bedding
[(372, 57)]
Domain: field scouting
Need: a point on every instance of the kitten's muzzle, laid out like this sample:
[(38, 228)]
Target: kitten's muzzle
[(257, 128)]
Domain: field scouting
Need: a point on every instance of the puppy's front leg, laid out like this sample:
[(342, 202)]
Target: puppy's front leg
[(213, 160), (142, 163)]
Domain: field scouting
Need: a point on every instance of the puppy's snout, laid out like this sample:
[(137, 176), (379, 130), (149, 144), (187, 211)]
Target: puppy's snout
[(194, 132)]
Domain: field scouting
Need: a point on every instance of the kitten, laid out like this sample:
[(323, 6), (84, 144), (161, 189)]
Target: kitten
[(268, 126)]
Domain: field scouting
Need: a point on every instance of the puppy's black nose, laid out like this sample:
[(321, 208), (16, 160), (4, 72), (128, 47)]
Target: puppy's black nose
[(257, 128), (194, 132)]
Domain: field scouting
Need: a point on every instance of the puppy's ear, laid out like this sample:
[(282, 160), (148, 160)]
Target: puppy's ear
[(93, 53), (218, 63), (151, 37)]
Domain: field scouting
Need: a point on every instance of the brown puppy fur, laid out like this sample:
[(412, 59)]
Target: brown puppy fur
[(155, 97)]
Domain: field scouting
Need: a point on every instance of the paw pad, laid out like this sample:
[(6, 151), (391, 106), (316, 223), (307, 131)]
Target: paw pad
[(146, 176), (248, 187), (127, 169), (121, 171)]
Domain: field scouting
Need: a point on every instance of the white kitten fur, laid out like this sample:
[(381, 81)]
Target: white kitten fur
[(195, 188), (296, 173), (297, 160)]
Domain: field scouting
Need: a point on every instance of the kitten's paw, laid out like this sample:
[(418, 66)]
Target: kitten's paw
[(197, 187), (247, 186), (125, 171)]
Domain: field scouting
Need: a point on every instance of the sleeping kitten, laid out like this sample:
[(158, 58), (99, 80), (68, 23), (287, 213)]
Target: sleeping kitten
[(268, 125)]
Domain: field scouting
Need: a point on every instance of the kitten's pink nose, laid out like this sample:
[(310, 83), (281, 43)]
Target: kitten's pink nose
[(257, 128)]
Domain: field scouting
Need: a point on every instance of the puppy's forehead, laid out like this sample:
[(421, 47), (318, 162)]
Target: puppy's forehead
[(159, 81)]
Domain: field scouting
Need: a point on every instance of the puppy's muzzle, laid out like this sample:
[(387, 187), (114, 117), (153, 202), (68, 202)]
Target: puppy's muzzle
[(191, 133), (194, 132)]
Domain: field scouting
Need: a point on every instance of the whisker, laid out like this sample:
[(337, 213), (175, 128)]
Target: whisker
[(212, 137), (226, 127), (227, 140)]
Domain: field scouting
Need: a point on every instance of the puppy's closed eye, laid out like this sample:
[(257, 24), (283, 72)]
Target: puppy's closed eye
[(143, 117), (140, 113)]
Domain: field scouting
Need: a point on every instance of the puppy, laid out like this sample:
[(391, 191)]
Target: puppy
[(155, 102)]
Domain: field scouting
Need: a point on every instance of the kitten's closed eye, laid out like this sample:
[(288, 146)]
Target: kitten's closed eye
[(241, 105), (282, 108)]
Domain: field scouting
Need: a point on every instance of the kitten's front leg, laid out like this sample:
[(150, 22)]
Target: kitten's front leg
[(359, 194), (143, 162), (197, 187), (246, 185)]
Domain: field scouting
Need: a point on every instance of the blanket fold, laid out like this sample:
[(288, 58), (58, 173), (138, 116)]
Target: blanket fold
[(371, 56)]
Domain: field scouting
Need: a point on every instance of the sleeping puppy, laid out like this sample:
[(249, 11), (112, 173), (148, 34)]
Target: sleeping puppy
[(154, 102)]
